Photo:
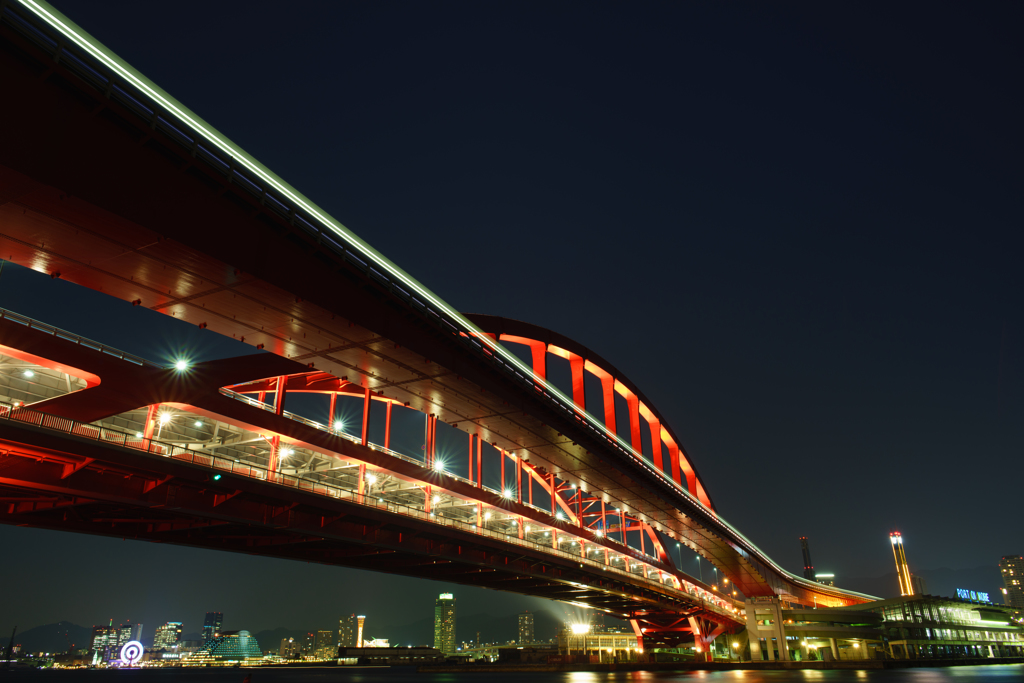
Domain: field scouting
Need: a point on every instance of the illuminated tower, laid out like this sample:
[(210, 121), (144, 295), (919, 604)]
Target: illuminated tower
[(444, 623), (902, 570), (808, 565)]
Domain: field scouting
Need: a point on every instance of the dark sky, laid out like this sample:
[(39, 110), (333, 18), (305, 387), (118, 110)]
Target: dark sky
[(795, 227)]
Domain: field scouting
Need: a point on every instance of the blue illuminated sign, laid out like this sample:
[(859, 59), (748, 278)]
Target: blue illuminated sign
[(972, 595)]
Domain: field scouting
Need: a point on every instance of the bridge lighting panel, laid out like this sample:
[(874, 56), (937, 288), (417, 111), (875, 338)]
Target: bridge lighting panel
[(199, 423), (29, 373)]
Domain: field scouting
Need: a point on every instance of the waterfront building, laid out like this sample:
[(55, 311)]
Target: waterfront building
[(1012, 569), (525, 628), (390, 656), (609, 645), (325, 645), (229, 648), (444, 623), (289, 648), (907, 627), (167, 636), (212, 624)]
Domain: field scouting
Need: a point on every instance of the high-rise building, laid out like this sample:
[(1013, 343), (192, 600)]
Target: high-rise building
[(102, 638), (123, 634), (808, 565), (212, 624), (237, 646), (325, 645), (350, 630), (289, 647), (167, 636), (1012, 569), (525, 629), (902, 570), (444, 623)]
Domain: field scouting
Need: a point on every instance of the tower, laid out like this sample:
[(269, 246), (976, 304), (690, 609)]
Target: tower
[(1011, 567), (444, 623), (211, 625), (808, 565), (902, 570), (525, 629)]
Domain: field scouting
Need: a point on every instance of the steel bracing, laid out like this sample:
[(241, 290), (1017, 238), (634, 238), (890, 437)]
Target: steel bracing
[(151, 204)]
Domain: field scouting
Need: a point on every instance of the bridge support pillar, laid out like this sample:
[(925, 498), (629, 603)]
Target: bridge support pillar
[(151, 416), (769, 611)]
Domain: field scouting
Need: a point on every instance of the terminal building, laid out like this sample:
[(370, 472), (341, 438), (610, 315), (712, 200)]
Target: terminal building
[(907, 627), (227, 649)]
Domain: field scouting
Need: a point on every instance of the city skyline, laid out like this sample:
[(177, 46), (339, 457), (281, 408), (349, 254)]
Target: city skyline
[(895, 411)]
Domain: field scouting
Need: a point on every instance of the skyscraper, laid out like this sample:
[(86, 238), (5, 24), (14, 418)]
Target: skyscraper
[(1012, 569), (525, 629), (102, 638), (167, 636), (444, 623), (212, 624), (808, 565), (325, 645), (350, 631), (902, 570)]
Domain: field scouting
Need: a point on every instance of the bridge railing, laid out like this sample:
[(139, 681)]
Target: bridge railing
[(222, 465), (34, 324)]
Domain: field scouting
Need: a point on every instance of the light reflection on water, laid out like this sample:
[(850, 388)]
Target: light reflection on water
[(981, 674)]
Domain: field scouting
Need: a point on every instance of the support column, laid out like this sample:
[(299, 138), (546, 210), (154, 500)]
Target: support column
[(634, 423), (387, 426), (480, 515), (579, 397), (151, 417), (835, 648), (428, 500), (331, 419), (655, 427), (519, 480), (362, 482), (469, 469), (479, 461), (366, 416), (504, 486)]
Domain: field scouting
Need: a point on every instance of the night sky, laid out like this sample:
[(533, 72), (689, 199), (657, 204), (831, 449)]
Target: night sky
[(796, 228)]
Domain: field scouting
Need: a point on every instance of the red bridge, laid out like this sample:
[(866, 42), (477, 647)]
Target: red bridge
[(383, 430)]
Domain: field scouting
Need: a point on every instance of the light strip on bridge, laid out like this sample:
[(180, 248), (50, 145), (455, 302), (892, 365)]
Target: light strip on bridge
[(104, 55)]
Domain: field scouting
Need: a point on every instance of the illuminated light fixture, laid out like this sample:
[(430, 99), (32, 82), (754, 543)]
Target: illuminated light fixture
[(199, 423), (547, 533), (437, 499), (287, 452), (439, 466), (165, 418), (558, 515), (181, 365), (507, 493), (527, 528), (216, 477), (29, 373), (487, 515), (138, 435), (580, 629), (599, 533), (371, 478), (338, 425)]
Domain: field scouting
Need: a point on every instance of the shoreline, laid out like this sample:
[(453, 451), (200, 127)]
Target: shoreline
[(878, 664)]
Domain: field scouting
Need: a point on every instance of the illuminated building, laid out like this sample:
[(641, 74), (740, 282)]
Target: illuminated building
[(808, 565), (902, 570), (212, 624), (444, 623), (325, 645), (104, 638), (347, 630), (230, 647), (167, 636), (525, 628), (123, 634), (289, 648), (1012, 569)]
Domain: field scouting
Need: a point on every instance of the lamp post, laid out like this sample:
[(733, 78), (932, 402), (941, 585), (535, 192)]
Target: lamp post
[(700, 571)]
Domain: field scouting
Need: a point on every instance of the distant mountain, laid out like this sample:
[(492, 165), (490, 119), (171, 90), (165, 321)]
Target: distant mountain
[(59, 637)]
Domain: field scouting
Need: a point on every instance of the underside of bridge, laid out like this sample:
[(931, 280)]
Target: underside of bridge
[(101, 189)]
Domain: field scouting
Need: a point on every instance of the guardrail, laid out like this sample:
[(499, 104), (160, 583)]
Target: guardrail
[(155, 448), (34, 324)]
